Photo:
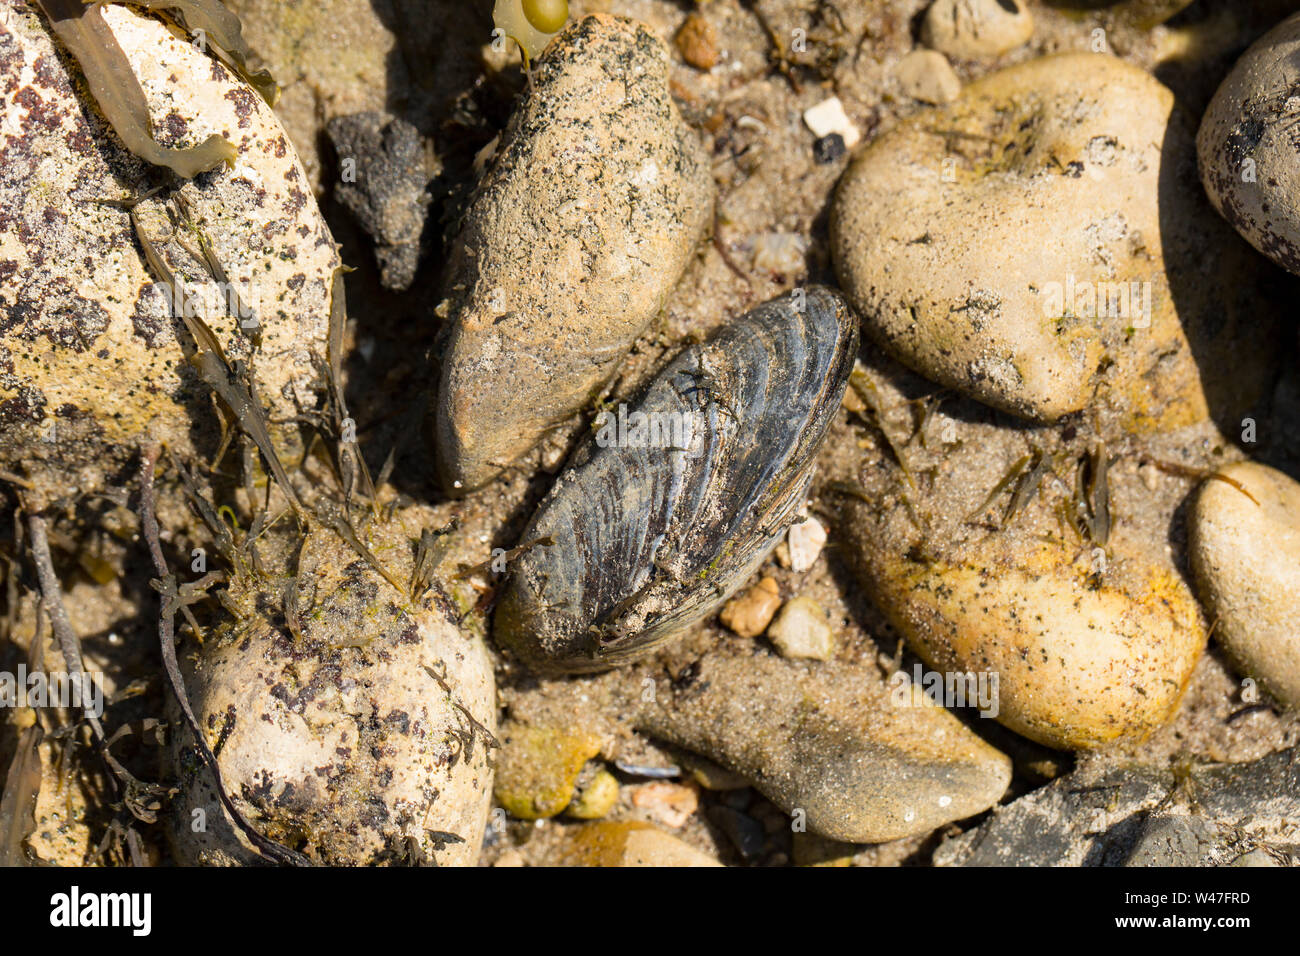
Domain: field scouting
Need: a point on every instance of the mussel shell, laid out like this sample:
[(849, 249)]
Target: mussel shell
[(633, 545)]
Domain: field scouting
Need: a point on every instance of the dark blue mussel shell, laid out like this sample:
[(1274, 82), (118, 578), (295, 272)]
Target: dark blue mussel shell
[(671, 506)]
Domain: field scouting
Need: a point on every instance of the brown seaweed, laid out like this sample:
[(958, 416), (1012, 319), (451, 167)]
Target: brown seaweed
[(221, 29), (82, 30), (18, 803)]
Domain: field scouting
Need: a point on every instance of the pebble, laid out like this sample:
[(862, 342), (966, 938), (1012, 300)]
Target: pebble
[(749, 614), (972, 29), (538, 768), (805, 541), (743, 831), (565, 256), (926, 75), (1078, 666), (827, 149), (629, 843), (384, 187), (1246, 559), (856, 767), (697, 41), (595, 797), (670, 803), (828, 117), (1098, 816), (1039, 272), (782, 253), (1246, 149), (802, 631)]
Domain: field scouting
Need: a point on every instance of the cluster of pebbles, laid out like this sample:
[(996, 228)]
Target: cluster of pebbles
[(1019, 416)]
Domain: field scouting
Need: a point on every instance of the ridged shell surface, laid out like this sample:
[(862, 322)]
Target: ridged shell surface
[(673, 504)]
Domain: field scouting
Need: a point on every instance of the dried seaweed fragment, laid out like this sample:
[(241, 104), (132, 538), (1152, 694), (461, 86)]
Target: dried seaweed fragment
[(222, 30), (82, 30), (18, 802), (234, 386)]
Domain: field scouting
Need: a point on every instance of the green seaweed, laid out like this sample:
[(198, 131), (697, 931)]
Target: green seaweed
[(114, 86)]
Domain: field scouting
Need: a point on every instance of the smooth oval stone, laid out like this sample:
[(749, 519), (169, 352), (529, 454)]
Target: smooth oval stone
[(1036, 244), (1078, 665), (830, 740), (574, 240), (672, 505), (1246, 556), (92, 359), (981, 557), (1246, 146)]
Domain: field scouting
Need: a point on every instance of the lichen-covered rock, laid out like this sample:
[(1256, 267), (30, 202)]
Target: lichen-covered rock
[(571, 246), (351, 723), (1247, 149), (1244, 542), (91, 358), (1038, 244)]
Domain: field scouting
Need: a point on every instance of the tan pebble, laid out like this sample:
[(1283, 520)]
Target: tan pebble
[(805, 540), (926, 75), (565, 254), (670, 803), (970, 29), (829, 745), (1012, 286), (510, 857), (801, 631), (1246, 558), (1150, 476), (629, 843), (697, 41), (749, 614)]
